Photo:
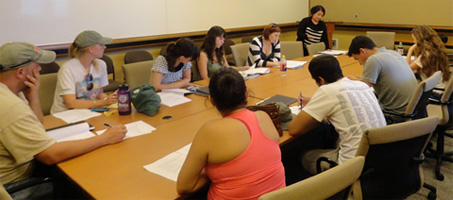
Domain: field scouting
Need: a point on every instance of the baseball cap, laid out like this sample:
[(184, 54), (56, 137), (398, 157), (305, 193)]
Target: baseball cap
[(18, 54), (88, 38)]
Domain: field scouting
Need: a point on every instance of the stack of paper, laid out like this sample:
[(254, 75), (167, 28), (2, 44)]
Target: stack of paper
[(75, 115), (134, 129), (170, 165), (76, 131)]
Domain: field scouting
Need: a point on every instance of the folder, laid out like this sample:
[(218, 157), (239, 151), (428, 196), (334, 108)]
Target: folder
[(278, 98)]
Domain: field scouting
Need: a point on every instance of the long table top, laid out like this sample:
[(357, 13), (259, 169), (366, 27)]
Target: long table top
[(116, 171)]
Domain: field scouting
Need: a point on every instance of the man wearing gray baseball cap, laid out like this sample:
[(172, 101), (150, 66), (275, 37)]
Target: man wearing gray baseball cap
[(22, 135)]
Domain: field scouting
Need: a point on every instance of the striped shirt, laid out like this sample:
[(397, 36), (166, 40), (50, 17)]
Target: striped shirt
[(317, 31), (257, 56)]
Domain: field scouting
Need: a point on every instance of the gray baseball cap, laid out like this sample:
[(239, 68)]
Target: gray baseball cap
[(18, 54), (88, 38)]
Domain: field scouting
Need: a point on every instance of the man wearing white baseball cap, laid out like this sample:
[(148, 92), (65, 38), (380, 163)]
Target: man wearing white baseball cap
[(22, 135)]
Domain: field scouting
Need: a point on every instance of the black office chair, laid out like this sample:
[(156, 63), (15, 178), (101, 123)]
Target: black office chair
[(442, 108), (48, 68), (137, 56), (393, 155), (113, 84)]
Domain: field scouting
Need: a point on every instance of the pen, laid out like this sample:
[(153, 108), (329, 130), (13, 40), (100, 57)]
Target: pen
[(300, 95), (110, 126)]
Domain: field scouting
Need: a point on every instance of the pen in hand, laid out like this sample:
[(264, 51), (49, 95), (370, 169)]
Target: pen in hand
[(300, 96), (108, 125)]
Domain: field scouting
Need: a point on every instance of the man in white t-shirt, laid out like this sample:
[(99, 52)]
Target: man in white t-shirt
[(22, 135), (350, 106)]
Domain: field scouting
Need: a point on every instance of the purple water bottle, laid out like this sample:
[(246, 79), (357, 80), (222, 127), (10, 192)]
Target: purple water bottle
[(124, 100)]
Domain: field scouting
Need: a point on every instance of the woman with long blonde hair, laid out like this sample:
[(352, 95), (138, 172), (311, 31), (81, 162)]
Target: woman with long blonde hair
[(430, 54)]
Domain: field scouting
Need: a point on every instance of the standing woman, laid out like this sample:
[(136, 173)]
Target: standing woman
[(430, 54), (312, 30), (212, 55), (264, 50), (242, 159), (81, 80), (173, 69)]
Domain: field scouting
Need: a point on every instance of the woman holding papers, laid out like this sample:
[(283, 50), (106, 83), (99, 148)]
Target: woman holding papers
[(312, 29), (242, 159), (81, 80), (264, 50), (430, 53), (173, 69), (212, 56)]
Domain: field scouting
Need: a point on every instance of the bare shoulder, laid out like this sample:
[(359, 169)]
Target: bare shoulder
[(266, 125)]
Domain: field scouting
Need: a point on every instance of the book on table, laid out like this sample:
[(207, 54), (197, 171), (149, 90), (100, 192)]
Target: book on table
[(74, 131), (278, 98)]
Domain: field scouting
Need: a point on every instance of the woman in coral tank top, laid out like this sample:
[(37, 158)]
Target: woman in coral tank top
[(239, 153)]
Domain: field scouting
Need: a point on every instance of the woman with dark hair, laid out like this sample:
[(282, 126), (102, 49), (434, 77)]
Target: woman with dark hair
[(226, 151), (212, 55), (312, 30), (173, 69), (430, 53), (264, 50)]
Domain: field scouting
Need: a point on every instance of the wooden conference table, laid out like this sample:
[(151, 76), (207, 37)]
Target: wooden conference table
[(116, 171)]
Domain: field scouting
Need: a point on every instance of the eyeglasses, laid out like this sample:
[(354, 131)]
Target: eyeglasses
[(274, 26), (5, 68), (89, 80)]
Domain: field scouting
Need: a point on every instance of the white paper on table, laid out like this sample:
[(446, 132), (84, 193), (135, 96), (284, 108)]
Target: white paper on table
[(261, 70), (171, 99), (334, 52), (291, 64), (75, 115), (134, 129), (71, 132), (170, 165), (295, 109), (177, 91)]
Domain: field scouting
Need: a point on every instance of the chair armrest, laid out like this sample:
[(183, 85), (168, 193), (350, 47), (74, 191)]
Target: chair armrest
[(324, 159), (28, 183), (400, 115)]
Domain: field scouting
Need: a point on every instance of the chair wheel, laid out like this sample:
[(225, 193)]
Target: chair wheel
[(432, 196), (439, 176)]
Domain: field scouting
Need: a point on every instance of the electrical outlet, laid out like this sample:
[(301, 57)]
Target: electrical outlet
[(356, 15)]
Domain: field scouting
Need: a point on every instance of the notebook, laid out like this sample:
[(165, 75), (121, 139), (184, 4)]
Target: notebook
[(202, 91), (278, 98)]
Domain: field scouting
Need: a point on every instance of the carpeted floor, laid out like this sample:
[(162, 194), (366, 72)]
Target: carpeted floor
[(445, 187)]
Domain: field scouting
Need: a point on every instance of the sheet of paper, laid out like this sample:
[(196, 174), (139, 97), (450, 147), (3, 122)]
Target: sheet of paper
[(134, 129), (171, 99), (75, 115), (291, 64), (170, 165), (176, 91), (71, 132), (334, 52), (295, 109), (261, 70)]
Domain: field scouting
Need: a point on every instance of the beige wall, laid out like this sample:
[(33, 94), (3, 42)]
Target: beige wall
[(429, 12)]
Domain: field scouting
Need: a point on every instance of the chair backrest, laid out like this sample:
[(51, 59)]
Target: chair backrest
[(48, 68), (446, 101), (315, 48), (240, 53), (110, 68), (137, 56), (138, 73), (393, 155), (195, 73), (246, 39), (292, 49), (417, 104), (48, 83), (382, 39), (323, 185), (227, 46)]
